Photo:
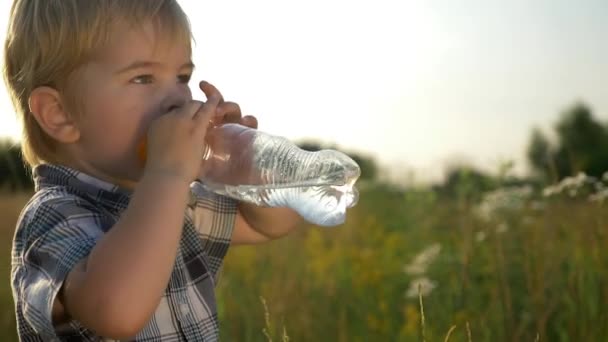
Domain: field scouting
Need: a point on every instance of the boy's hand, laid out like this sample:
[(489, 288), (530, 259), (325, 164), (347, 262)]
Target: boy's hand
[(230, 112), (175, 140)]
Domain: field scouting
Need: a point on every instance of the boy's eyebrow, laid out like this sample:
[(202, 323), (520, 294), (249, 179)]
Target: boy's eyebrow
[(149, 64)]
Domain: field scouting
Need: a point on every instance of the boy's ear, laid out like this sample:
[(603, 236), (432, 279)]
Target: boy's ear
[(47, 107)]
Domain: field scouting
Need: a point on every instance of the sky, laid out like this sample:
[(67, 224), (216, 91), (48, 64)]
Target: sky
[(418, 85)]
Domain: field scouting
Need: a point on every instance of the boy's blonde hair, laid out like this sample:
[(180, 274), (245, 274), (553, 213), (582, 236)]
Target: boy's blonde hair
[(48, 40)]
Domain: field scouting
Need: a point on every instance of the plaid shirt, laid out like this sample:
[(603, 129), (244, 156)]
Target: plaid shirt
[(60, 225)]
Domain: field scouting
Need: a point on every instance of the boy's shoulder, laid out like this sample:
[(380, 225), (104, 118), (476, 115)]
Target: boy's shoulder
[(56, 229), (56, 197), (55, 200), (63, 194), (54, 208)]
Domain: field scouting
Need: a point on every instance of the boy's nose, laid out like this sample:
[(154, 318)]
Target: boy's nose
[(176, 98)]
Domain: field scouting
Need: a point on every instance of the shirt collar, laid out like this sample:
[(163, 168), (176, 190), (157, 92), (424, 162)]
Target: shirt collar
[(52, 175)]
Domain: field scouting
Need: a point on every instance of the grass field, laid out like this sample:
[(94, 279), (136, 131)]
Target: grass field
[(10, 206), (517, 266)]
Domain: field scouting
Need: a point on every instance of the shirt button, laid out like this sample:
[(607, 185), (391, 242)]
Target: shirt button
[(191, 199), (185, 309)]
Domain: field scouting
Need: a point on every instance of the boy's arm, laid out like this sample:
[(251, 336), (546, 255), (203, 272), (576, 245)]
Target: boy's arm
[(117, 288), (256, 224)]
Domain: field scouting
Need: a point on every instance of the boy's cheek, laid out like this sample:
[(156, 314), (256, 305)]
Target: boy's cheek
[(144, 125)]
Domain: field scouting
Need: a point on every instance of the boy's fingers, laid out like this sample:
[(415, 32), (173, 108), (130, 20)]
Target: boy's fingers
[(203, 117), (214, 97), (249, 121), (204, 86), (227, 112), (192, 108)]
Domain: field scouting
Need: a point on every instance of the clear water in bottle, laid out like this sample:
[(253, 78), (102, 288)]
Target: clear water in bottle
[(267, 170)]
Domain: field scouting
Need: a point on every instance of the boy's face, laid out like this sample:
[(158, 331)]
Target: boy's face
[(137, 78)]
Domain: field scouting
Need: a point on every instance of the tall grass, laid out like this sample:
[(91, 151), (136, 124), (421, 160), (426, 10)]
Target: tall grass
[(535, 271), (10, 206)]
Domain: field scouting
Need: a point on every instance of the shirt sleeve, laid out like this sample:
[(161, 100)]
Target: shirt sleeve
[(214, 217), (52, 237)]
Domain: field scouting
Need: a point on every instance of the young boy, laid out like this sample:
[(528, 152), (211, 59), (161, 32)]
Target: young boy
[(108, 248)]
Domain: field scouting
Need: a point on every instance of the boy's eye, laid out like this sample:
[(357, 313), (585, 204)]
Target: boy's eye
[(143, 79), (184, 78)]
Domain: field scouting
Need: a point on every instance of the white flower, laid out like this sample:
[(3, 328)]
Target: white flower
[(570, 185), (509, 199), (422, 261), (425, 285), (600, 196), (552, 190), (599, 186), (480, 236), (503, 227)]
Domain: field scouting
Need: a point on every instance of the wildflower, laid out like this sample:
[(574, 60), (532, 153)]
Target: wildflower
[(570, 185), (422, 261), (504, 199), (599, 186), (426, 287), (600, 196), (480, 236), (552, 190), (503, 227)]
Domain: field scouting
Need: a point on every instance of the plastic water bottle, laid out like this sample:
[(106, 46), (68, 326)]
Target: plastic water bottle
[(267, 170)]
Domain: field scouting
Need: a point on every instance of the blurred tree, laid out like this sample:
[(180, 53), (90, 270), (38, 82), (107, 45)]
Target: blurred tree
[(582, 146), (465, 182), (368, 165), (14, 174), (583, 143), (539, 155)]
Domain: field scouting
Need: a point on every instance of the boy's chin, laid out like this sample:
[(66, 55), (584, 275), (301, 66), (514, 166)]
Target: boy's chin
[(134, 177), (128, 179)]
